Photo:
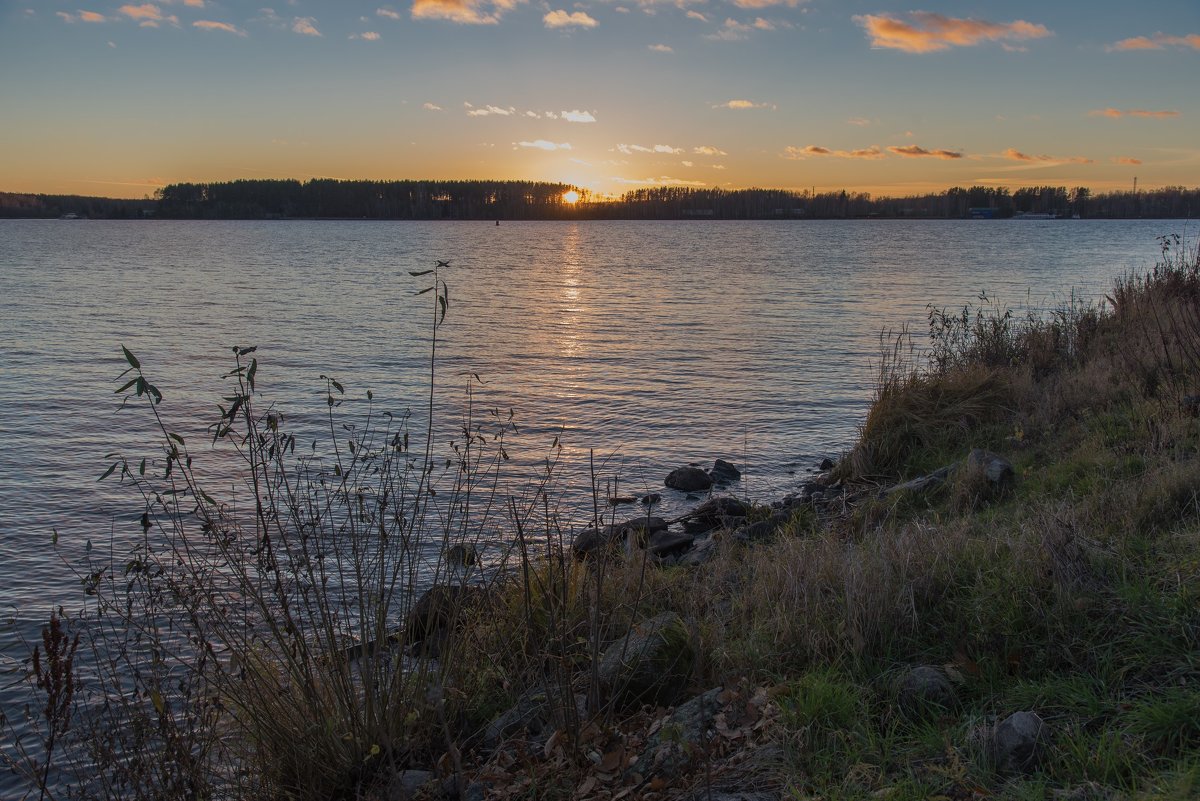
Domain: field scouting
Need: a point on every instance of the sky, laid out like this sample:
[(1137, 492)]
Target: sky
[(100, 97)]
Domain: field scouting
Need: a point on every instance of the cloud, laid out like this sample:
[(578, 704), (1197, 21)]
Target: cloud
[(1116, 113), (708, 150), (629, 150), (533, 115), (389, 13), (688, 163), (696, 15), (432, 107), (1158, 41), (861, 122), (734, 31), (916, 151), (801, 153), (370, 36), (543, 144), (148, 15), (561, 19), (82, 16), (664, 180), (1126, 160), (488, 111), (577, 116), (305, 26), (756, 4), (1013, 154), (661, 48), (465, 12), (927, 32), (209, 25), (745, 104)]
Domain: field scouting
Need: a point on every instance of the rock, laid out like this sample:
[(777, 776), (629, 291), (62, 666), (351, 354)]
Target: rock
[(463, 555), (652, 663), (925, 689), (651, 499), (763, 529), (688, 479), (996, 469), (679, 740), (722, 511), (666, 542), (533, 715), (702, 551), (1016, 742), (618, 500), (641, 528), (826, 464), (724, 471), (438, 610), (404, 785)]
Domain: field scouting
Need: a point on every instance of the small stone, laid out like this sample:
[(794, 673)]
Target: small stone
[(826, 464)]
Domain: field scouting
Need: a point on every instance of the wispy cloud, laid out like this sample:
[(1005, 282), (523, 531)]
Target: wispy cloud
[(664, 180), (801, 153), (916, 151), (708, 150), (305, 26), (1012, 154), (1116, 113), (466, 12), (738, 105), (768, 3), (861, 122), (577, 116), (561, 19), (661, 48), (544, 144), (432, 107), (489, 111), (369, 36), (388, 12), (80, 16), (1158, 41), (147, 15), (696, 15), (210, 25), (629, 150), (1126, 160), (926, 32)]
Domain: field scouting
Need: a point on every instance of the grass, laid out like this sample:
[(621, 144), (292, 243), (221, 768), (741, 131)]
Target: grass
[(1075, 594)]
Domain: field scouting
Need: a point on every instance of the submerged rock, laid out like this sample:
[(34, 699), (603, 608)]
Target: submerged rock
[(724, 471)]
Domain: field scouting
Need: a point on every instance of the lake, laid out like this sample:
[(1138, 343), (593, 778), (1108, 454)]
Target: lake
[(651, 344)]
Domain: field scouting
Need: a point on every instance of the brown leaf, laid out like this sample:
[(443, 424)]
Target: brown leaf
[(612, 760)]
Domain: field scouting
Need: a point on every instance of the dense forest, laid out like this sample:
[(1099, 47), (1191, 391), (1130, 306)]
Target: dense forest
[(529, 200)]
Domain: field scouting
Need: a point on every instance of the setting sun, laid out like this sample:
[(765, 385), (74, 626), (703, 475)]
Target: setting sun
[(571, 197)]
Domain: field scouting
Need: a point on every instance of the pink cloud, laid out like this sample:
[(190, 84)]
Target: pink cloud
[(1158, 41), (209, 25), (466, 12), (800, 153), (916, 151), (1116, 113), (927, 32), (82, 16), (1016, 155), (1127, 160)]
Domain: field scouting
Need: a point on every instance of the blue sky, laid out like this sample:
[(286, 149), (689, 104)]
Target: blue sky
[(119, 98)]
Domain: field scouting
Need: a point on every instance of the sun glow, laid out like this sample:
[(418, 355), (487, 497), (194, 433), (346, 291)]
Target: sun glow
[(571, 197)]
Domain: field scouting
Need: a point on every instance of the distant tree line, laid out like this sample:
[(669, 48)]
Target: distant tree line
[(52, 206), (533, 200)]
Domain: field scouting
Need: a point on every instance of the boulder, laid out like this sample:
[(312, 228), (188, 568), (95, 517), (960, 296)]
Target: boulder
[(925, 689), (724, 471), (763, 529), (438, 610), (679, 740), (723, 511), (592, 539), (1016, 743), (702, 551), (826, 464), (667, 542), (651, 499), (534, 715), (462, 555), (652, 663), (994, 468), (688, 479)]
